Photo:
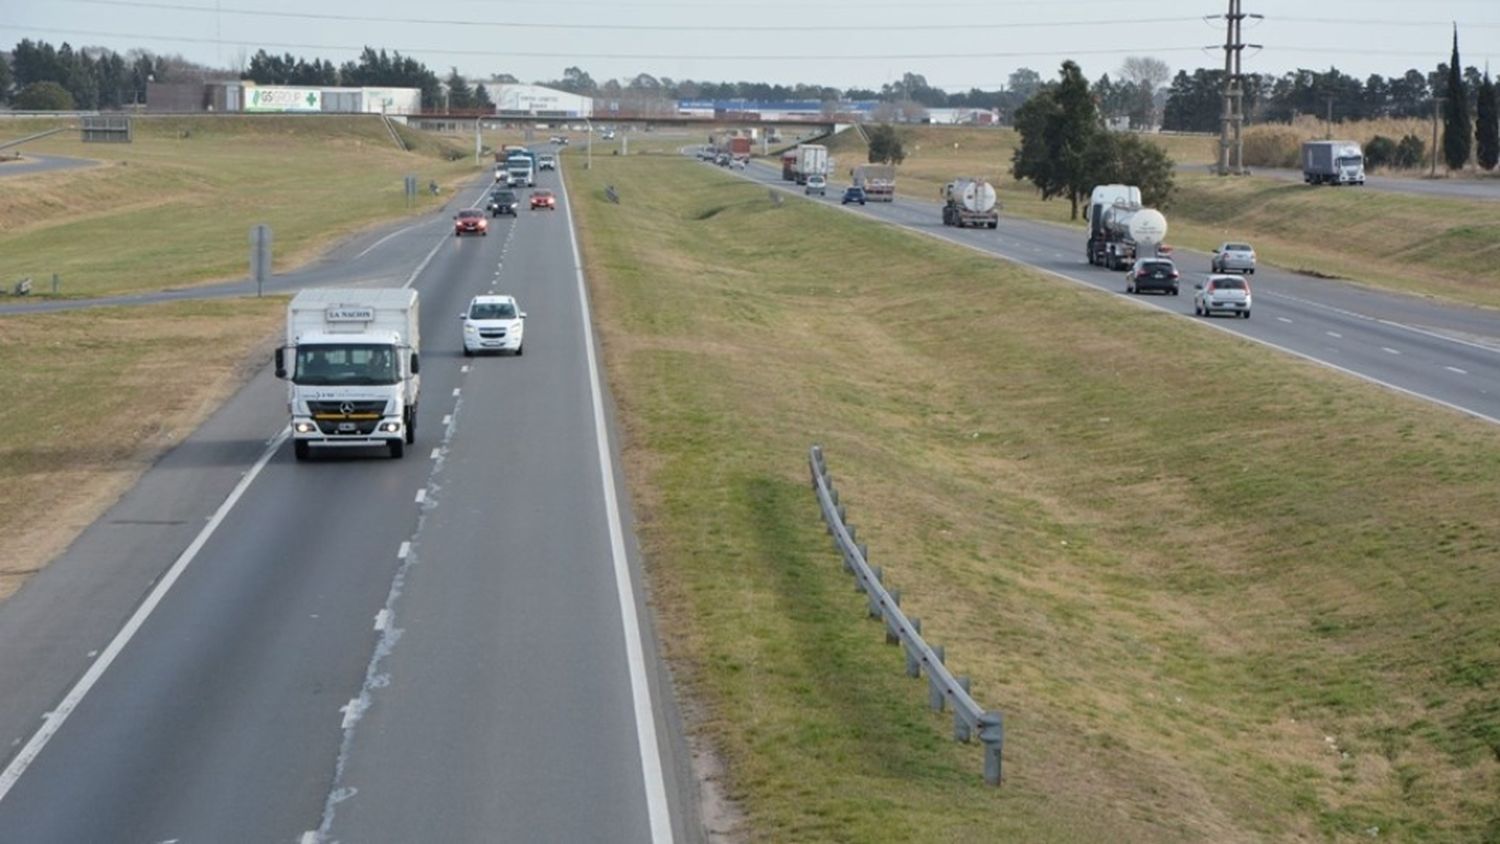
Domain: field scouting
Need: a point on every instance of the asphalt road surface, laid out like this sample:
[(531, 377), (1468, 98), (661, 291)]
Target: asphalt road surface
[(449, 647), (30, 163), (1442, 353)]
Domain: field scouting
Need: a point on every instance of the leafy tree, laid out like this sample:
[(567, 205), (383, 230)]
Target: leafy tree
[(575, 81), (1146, 75), (1458, 133), (1487, 125), (885, 145), (1380, 152), (482, 97), (1023, 82), (1410, 152), (44, 96), (1057, 126), (1194, 103), (5, 80), (460, 95)]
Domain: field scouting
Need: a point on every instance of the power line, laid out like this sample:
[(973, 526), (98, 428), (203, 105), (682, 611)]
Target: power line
[(823, 57), (856, 27)]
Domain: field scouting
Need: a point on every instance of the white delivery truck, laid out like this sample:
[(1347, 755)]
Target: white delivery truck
[(351, 363)]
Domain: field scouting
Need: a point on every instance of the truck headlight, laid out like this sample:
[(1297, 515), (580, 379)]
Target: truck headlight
[(390, 427), (304, 427)]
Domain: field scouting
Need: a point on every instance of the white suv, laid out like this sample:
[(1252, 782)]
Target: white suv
[(493, 324)]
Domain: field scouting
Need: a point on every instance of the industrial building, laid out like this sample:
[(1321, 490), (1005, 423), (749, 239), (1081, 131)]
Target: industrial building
[(518, 100), (248, 97)]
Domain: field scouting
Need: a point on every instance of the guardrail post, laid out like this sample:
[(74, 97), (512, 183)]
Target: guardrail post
[(874, 608), (913, 662), (960, 726), (935, 696), (992, 734), (892, 635)]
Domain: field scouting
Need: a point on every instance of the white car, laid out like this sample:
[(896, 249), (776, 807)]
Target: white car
[(493, 324), (1222, 293), (546, 162), (816, 185)]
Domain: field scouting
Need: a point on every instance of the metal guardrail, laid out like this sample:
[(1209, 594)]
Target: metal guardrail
[(38, 136), (943, 688)]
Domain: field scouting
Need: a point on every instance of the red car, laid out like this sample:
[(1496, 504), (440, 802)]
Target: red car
[(472, 221), (543, 199)]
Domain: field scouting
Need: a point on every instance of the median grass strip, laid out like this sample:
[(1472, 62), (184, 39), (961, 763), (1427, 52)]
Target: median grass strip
[(1426, 245), (93, 397), (175, 206), (1220, 595)]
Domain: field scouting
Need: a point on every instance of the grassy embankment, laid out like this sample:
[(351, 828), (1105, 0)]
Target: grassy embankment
[(1220, 596), (92, 397), (175, 207), (1426, 245)]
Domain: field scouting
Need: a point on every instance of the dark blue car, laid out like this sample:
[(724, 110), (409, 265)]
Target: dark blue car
[(854, 194)]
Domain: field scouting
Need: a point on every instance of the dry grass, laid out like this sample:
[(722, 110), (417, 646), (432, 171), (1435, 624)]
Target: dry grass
[(1178, 584), (93, 397), (175, 206), (1280, 144)]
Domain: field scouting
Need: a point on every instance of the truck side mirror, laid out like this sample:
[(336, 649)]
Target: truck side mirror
[(416, 364), (280, 359)]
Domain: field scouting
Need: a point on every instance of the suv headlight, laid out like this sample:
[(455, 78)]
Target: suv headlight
[(469, 328)]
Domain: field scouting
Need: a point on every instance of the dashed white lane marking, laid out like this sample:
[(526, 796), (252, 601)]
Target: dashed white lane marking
[(1334, 334), (382, 619), (436, 453), (456, 391), (1283, 319), (447, 420), (421, 495), (352, 710), (1456, 369), (403, 550), (309, 837), (59, 715), (464, 368), (1389, 350)]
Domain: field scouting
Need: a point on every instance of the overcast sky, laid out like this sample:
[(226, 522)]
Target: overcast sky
[(955, 44)]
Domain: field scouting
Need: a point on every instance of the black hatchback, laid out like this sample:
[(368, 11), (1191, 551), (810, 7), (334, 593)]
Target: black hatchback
[(1152, 274), (502, 202)]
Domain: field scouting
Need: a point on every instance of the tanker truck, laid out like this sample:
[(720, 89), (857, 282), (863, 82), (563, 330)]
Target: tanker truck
[(1120, 228), (970, 202), (878, 180)]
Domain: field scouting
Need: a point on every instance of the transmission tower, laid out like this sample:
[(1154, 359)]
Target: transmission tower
[(1232, 118)]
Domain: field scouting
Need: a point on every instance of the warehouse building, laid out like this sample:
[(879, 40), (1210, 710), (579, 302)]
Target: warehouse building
[(248, 97), (518, 100)]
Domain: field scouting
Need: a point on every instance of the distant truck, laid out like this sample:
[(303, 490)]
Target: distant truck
[(878, 181), (522, 170), (352, 365), (1121, 229), (812, 160), (789, 165), (737, 147), (970, 203), (1332, 163)]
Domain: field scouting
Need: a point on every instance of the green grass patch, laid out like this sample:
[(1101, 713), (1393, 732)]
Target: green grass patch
[(93, 397), (1449, 248), (175, 207), (1220, 594)]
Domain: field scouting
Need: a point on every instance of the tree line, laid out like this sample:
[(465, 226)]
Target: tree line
[(39, 76)]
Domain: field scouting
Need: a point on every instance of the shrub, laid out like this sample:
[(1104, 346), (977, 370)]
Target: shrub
[(1380, 152), (1410, 152)]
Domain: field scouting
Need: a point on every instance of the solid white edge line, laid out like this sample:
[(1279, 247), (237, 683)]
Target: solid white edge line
[(1140, 304), (59, 715), (372, 246), (411, 279), (645, 717)]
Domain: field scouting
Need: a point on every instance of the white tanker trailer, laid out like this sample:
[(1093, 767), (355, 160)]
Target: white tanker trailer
[(1120, 229), (970, 202)]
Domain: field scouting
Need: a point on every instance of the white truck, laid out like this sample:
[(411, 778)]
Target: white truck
[(1333, 163), (812, 160), (522, 171), (877, 180), (352, 369), (970, 203), (1120, 227)]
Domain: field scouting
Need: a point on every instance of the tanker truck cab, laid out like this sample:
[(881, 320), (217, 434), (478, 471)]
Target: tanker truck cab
[(352, 367)]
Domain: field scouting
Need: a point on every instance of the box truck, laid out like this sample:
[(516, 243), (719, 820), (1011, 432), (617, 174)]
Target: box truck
[(351, 362), (1332, 163)]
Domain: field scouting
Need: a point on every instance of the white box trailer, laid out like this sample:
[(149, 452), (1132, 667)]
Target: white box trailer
[(352, 363)]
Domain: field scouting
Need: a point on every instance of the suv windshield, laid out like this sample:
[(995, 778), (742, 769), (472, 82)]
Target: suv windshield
[(492, 310), (345, 365)]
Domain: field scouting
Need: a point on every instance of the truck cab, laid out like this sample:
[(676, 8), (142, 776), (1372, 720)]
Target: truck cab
[(352, 368)]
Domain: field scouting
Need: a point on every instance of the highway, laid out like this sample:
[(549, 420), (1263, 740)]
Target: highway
[(450, 647), (1446, 354)]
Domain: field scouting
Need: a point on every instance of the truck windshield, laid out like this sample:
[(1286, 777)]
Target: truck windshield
[(345, 365), (1350, 161)]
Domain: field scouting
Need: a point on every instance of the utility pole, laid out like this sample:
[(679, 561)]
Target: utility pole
[(1232, 118)]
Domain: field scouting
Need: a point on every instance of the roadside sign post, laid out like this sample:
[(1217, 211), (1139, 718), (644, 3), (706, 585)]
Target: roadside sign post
[(260, 256)]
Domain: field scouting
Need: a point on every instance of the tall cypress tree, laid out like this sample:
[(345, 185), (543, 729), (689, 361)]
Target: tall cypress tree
[(1458, 131), (1487, 125)]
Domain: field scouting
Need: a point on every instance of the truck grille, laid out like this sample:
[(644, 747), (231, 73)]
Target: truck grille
[(347, 418)]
